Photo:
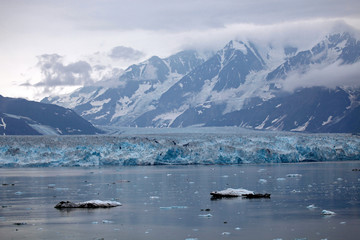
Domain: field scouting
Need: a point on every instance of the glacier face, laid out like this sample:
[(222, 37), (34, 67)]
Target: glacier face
[(176, 148)]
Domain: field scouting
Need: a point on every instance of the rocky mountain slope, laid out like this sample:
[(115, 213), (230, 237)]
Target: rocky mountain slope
[(22, 117), (244, 84)]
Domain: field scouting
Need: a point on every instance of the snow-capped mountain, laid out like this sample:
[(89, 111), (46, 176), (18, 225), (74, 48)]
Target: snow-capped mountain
[(22, 117), (137, 92), (244, 84)]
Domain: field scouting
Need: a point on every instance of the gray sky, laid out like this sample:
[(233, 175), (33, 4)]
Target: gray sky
[(89, 40)]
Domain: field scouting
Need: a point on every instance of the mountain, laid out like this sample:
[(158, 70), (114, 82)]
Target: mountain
[(22, 117), (137, 92), (246, 84)]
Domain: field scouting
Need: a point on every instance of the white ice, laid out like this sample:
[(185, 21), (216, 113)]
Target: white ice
[(101, 203), (234, 192)]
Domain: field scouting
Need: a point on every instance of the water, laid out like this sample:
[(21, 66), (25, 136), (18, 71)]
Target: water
[(171, 202)]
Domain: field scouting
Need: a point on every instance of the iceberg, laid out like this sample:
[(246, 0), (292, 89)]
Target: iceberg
[(231, 192), (327, 212), (87, 204), (176, 149)]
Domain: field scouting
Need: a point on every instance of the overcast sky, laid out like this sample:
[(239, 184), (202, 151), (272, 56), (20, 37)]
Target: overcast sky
[(90, 40)]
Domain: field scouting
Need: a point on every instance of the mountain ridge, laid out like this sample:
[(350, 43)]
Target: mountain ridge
[(21, 117), (240, 85)]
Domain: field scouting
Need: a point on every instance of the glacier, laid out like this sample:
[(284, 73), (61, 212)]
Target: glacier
[(178, 147)]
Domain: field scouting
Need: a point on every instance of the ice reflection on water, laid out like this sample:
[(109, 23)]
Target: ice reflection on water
[(174, 202)]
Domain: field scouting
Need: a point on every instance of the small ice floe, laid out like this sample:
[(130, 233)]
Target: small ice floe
[(311, 207), (173, 207), (191, 239), (342, 223), (205, 215), (294, 175), (231, 192), (107, 221), (88, 204), (327, 212), (154, 197), (280, 179), (262, 181), (225, 233), (18, 193)]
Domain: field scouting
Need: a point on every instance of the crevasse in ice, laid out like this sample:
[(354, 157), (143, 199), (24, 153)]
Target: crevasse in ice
[(179, 148)]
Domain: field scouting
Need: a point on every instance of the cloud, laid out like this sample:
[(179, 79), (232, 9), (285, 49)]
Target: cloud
[(331, 76), (56, 73), (125, 53), (58, 77), (203, 14)]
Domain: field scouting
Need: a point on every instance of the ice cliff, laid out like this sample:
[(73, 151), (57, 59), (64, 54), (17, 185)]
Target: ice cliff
[(177, 148)]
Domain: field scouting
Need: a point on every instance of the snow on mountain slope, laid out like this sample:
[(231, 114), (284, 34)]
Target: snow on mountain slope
[(251, 84), (240, 87), (138, 90), (22, 117)]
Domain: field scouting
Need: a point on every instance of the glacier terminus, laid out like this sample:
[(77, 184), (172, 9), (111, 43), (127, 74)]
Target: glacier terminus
[(177, 148)]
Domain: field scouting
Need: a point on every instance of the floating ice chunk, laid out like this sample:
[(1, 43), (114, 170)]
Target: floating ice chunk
[(88, 204), (154, 197), (225, 233), (327, 212), (342, 223), (205, 215), (173, 207), (295, 175), (280, 179), (262, 181), (231, 192), (311, 206), (191, 239), (107, 221)]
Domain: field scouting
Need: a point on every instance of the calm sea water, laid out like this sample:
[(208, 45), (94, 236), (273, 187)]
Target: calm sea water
[(170, 202)]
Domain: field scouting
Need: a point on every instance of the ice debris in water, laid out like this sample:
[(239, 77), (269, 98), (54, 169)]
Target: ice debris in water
[(280, 179), (311, 206), (262, 181), (173, 207), (205, 215), (88, 204), (327, 212), (294, 175), (107, 221), (232, 192)]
